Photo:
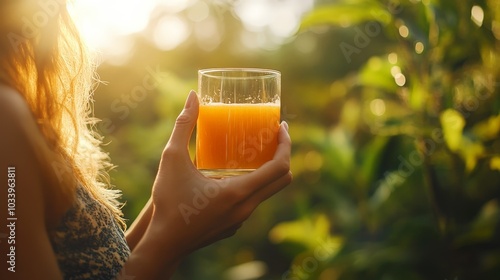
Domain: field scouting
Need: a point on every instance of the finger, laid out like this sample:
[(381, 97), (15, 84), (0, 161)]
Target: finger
[(184, 124), (284, 143), (277, 167)]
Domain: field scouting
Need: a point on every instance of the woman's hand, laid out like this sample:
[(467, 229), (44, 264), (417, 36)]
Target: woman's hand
[(188, 210), (196, 211)]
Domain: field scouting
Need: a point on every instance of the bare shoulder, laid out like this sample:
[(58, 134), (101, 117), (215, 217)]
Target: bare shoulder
[(18, 131), (13, 107), (18, 127), (29, 245)]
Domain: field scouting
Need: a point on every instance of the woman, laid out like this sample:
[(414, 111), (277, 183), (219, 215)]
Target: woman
[(62, 220)]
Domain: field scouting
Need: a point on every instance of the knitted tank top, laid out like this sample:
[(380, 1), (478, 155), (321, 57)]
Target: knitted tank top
[(89, 243)]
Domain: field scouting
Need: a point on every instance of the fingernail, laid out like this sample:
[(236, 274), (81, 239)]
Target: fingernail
[(285, 124), (190, 99)]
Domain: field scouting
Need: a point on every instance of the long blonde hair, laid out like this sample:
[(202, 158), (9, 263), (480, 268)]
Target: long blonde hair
[(42, 56)]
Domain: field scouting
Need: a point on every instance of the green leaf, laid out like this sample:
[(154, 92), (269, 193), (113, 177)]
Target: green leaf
[(339, 153), (488, 129), (371, 158), (418, 94), (495, 163), (347, 14), (387, 185), (483, 227), (470, 151), (377, 73), (308, 231), (453, 124)]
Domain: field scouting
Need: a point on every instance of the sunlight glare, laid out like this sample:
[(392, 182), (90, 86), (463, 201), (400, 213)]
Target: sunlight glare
[(170, 32), (199, 12), (112, 15), (173, 6), (279, 18), (254, 14), (284, 22), (103, 24), (208, 35)]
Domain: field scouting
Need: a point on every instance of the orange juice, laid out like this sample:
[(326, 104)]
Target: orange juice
[(236, 136)]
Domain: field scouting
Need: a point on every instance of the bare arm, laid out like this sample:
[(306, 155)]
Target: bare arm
[(139, 226), (28, 242)]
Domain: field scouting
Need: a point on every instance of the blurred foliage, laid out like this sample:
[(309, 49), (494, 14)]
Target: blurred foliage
[(394, 112)]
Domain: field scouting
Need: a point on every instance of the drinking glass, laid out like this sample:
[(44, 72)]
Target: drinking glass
[(237, 129)]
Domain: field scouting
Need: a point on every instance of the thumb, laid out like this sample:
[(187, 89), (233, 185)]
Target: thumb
[(185, 122)]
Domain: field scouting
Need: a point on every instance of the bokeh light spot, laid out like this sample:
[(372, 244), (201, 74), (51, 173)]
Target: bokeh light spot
[(198, 12), (284, 22), (404, 31), (395, 70), (477, 15), (170, 32), (377, 107), (392, 58), (306, 43), (207, 34), (400, 79), (419, 47), (313, 161)]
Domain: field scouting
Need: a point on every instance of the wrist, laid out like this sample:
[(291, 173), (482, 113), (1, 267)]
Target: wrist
[(155, 256), (164, 233), (136, 231)]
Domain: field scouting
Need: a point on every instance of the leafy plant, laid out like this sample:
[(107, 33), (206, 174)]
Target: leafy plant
[(408, 171)]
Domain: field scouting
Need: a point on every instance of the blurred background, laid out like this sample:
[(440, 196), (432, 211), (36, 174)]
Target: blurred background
[(394, 113)]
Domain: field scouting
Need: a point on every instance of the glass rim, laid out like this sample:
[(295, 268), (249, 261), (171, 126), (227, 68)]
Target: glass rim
[(266, 73)]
